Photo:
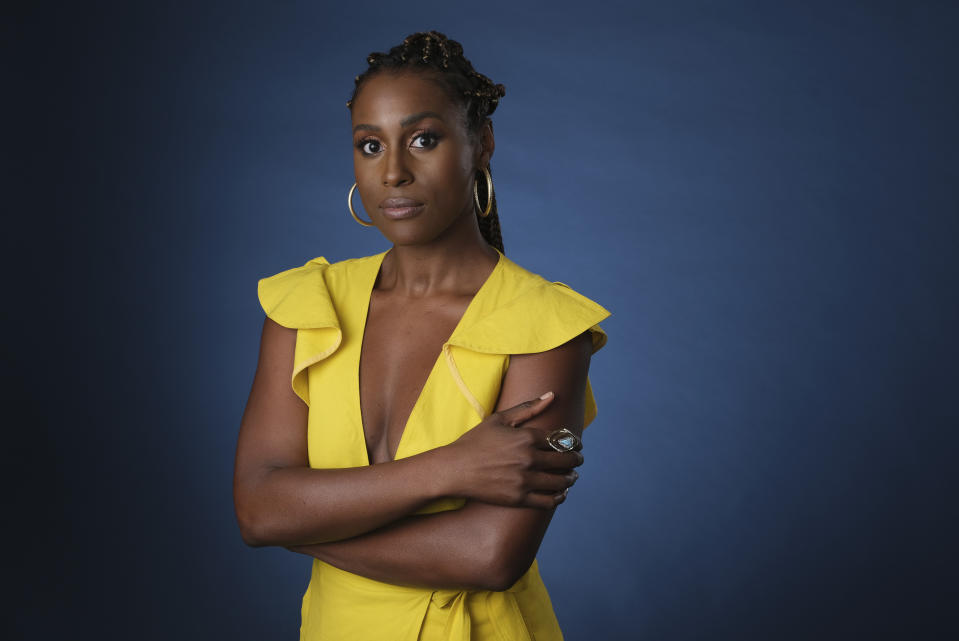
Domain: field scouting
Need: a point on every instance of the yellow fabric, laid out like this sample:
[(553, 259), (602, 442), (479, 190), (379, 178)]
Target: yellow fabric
[(514, 312)]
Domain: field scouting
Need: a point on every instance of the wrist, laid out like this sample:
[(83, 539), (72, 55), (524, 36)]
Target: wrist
[(445, 477)]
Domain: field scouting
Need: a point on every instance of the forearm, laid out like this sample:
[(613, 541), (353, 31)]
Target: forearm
[(299, 505), (478, 547)]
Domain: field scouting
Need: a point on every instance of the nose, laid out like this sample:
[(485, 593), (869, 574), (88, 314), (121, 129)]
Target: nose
[(396, 169)]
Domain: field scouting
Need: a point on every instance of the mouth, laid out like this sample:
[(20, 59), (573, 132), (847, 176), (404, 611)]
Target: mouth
[(398, 208)]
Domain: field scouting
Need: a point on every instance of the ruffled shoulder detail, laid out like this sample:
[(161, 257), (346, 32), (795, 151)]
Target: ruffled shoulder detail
[(299, 299), (522, 313), (539, 318)]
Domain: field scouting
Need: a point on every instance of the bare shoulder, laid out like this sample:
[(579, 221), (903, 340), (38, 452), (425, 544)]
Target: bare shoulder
[(575, 348), (562, 370)]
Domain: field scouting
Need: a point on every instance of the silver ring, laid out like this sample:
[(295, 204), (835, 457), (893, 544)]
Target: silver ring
[(562, 440)]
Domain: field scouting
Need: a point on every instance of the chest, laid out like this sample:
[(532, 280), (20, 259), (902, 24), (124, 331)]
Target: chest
[(402, 343)]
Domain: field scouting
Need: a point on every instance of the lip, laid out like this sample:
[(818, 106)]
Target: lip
[(398, 208)]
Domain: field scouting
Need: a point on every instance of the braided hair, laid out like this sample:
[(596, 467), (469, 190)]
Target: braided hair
[(433, 51)]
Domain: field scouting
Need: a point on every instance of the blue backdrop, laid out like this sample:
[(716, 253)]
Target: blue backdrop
[(763, 194)]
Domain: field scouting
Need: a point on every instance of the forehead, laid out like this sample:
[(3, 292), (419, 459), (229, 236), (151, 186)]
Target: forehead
[(388, 97)]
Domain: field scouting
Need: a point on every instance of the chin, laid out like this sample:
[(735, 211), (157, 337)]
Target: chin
[(409, 235), (417, 231)]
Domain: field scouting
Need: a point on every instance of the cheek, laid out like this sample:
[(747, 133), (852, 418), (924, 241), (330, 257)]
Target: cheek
[(458, 186), (361, 171), (464, 166), (447, 178), (466, 159)]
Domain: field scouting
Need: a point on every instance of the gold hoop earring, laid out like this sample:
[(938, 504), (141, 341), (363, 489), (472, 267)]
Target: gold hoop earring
[(489, 191), (349, 203)]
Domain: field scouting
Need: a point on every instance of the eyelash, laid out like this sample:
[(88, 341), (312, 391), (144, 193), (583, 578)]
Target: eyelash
[(423, 134)]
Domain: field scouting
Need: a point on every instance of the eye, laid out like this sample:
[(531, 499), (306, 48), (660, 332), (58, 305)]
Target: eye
[(369, 146), (425, 140)]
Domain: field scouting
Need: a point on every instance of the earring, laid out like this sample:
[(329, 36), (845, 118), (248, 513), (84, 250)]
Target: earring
[(489, 191), (349, 203)]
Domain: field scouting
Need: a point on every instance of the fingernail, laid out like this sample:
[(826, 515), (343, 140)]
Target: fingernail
[(575, 476), (545, 396)]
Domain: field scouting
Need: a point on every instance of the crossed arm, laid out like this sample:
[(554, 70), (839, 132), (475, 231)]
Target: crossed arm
[(358, 519)]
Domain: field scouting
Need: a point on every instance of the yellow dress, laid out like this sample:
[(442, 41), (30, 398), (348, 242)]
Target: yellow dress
[(514, 312)]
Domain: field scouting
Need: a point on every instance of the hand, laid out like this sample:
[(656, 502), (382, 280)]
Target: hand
[(495, 462)]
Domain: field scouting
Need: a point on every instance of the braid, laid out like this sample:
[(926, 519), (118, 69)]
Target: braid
[(433, 51)]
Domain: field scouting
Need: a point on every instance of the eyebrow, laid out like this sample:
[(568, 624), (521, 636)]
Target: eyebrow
[(406, 122)]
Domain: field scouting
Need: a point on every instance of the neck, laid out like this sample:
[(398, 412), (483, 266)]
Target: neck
[(457, 265)]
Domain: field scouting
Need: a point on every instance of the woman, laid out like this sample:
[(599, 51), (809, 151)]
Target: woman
[(418, 454)]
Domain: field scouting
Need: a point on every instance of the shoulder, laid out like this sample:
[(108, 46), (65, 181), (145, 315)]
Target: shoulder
[(303, 297), (318, 268), (520, 280), (523, 312)]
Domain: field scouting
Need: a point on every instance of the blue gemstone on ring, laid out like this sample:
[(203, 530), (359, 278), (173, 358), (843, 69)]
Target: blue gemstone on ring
[(566, 442), (562, 440)]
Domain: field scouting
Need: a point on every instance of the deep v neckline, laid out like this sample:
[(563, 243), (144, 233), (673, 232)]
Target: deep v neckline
[(368, 299)]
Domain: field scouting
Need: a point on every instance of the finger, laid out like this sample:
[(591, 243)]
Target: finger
[(560, 461), (544, 501), (551, 482), (526, 410)]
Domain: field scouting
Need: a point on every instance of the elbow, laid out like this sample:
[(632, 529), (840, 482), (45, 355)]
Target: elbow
[(252, 530), (256, 527), (259, 521), (262, 527), (252, 537), (506, 564), (504, 575)]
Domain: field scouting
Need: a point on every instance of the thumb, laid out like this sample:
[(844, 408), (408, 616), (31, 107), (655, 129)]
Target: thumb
[(525, 410)]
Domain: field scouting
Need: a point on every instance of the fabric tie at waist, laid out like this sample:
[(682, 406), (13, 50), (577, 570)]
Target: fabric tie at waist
[(500, 606), (458, 619)]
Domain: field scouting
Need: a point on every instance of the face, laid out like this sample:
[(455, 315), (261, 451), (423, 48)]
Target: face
[(414, 158)]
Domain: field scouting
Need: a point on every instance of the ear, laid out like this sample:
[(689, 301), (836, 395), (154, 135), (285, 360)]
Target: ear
[(487, 143)]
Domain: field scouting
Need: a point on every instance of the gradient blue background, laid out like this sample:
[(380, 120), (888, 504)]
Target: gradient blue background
[(763, 194)]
